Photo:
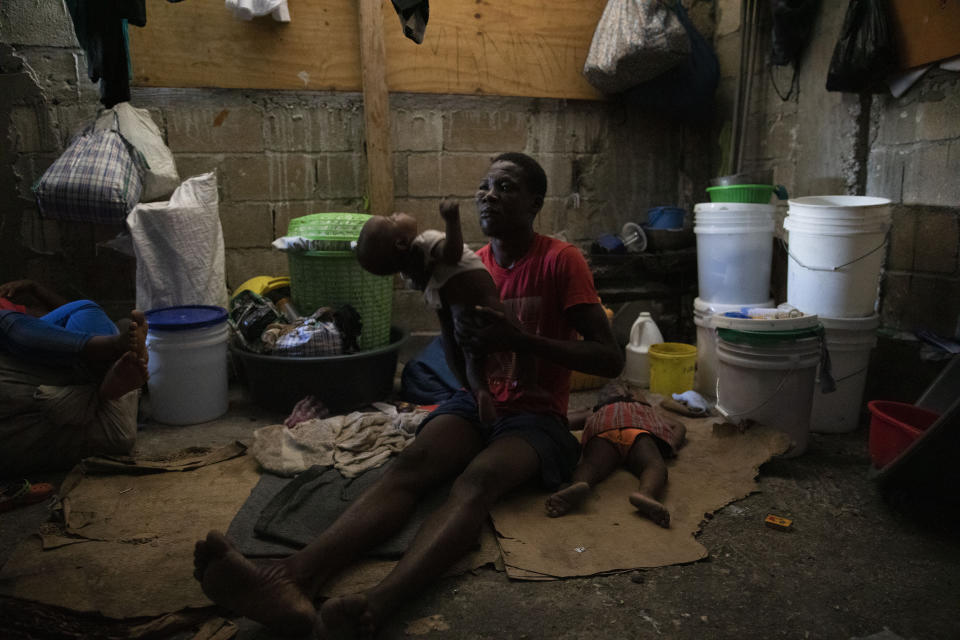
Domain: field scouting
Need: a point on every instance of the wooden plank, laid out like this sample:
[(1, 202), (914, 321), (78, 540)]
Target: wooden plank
[(926, 30), (485, 47), (376, 107)]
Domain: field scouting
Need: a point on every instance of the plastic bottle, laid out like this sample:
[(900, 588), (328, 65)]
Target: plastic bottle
[(643, 333), (285, 306)]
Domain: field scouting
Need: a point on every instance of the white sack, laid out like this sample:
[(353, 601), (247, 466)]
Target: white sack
[(179, 247), (635, 41), (139, 130)]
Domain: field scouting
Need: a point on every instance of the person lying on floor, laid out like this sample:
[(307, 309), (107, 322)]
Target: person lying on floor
[(451, 276), (547, 286), (68, 379), (622, 431)]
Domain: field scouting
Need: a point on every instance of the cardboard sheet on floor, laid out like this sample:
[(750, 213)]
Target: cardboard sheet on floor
[(132, 539), (126, 549), (606, 535)]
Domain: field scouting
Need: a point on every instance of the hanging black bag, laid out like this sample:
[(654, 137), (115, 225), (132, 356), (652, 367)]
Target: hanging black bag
[(866, 52)]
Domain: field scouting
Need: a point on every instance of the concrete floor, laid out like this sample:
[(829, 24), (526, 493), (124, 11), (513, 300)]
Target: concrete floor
[(852, 567)]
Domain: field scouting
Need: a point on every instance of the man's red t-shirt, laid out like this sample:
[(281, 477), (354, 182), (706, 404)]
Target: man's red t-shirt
[(6, 305), (536, 290)]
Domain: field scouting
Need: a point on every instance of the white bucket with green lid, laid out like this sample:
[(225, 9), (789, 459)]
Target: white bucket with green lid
[(767, 372)]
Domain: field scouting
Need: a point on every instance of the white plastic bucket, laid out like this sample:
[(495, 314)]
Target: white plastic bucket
[(188, 363), (734, 251), (836, 251), (849, 342), (705, 380), (770, 380)]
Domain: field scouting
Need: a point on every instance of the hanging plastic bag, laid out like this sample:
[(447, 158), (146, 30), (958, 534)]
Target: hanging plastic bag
[(137, 127), (97, 179), (687, 91), (866, 52), (635, 40)]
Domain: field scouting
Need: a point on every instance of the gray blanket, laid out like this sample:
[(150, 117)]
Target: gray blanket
[(283, 515)]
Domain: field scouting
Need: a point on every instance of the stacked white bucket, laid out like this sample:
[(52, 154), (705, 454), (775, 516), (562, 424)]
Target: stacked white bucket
[(836, 250), (734, 254)]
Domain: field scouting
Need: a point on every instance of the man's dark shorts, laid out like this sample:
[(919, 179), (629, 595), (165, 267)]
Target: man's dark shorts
[(549, 436)]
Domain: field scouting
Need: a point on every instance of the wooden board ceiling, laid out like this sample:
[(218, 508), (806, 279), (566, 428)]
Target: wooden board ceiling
[(486, 47)]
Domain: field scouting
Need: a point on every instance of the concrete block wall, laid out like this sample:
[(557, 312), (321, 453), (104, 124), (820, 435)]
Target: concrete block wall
[(914, 159), (819, 142), (280, 155)]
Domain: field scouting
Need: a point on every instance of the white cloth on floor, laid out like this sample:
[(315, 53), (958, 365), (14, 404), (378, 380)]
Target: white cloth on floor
[(250, 9), (351, 443), (693, 401)]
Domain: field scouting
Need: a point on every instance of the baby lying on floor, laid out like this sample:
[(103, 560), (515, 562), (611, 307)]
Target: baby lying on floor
[(621, 430)]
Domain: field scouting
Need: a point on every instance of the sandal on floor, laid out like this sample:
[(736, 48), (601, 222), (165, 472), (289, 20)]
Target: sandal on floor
[(21, 493)]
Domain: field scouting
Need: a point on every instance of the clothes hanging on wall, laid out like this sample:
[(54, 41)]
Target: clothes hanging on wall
[(101, 29), (413, 17), (250, 9)]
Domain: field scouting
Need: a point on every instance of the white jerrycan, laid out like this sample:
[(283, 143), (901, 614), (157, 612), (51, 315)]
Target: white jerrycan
[(643, 333)]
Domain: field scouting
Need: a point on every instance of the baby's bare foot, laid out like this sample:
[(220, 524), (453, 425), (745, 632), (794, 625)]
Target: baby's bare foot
[(567, 499), (651, 508), (264, 592)]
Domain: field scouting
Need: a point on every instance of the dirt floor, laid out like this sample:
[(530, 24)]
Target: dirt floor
[(853, 566)]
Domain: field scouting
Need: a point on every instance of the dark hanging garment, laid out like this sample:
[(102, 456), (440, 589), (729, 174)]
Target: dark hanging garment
[(413, 17), (792, 24), (101, 28)]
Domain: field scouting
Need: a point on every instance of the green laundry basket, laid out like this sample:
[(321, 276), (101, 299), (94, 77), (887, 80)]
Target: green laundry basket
[(333, 278)]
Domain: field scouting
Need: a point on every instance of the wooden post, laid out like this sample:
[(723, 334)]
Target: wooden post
[(376, 108)]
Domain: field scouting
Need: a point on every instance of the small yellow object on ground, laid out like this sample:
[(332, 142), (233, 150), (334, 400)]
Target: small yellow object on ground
[(776, 522)]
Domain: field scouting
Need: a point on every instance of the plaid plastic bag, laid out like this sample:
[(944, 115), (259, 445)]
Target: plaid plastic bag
[(97, 179)]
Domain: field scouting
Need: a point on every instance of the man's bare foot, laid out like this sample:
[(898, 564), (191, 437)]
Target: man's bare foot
[(263, 592), (651, 508), (488, 413), (132, 337), (137, 335), (352, 612), (567, 499), (126, 374)]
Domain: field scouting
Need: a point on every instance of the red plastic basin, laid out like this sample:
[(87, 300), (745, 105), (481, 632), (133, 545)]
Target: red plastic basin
[(893, 427)]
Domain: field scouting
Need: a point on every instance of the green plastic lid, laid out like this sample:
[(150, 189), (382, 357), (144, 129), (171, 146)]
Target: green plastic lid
[(761, 338), (328, 226)]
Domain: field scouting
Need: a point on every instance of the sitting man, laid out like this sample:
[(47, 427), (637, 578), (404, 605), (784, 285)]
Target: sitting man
[(546, 285), (68, 379)]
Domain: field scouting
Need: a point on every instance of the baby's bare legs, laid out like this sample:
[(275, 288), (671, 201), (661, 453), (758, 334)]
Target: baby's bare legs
[(477, 377), (599, 459), (462, 293), (645, 461)]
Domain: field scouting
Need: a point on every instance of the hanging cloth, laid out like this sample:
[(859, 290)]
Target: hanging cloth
[(101, 29), (413, 17), (250, 9)]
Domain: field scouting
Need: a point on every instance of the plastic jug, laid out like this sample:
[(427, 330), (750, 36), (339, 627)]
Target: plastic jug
[(643, 333)]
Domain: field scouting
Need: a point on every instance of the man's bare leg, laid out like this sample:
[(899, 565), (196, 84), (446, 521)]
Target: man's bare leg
[(275, 593), (444, 537), (599, 459), (645, 461), (125, 375)]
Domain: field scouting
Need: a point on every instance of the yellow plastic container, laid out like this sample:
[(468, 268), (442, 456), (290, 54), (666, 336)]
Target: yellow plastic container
[(672, 367)]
